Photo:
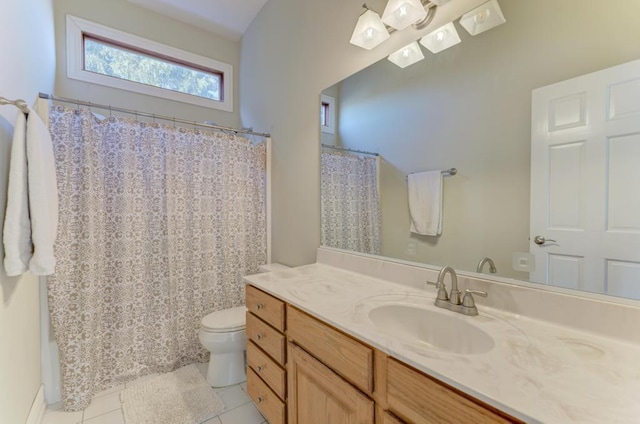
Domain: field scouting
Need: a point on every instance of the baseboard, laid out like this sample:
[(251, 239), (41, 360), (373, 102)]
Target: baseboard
[(37, 409)]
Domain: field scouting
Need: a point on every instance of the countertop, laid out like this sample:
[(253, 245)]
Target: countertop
[(536, 371)]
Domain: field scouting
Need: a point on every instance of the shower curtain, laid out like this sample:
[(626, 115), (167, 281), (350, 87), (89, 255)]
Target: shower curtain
[(350, 207), (157, 226)]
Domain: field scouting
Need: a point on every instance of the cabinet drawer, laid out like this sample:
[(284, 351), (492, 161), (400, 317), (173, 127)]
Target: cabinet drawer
[(267, 402), (420, 399), (267, 338), (349, 358), (265, 306), (272, 374)]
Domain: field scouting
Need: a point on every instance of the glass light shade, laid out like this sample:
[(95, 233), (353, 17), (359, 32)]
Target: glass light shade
[(369, 31), (399, 14), (408, 55), (442, 38), (483, 18), (439, 2)]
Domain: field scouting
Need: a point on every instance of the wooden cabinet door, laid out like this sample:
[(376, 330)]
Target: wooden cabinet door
[(319, 396)]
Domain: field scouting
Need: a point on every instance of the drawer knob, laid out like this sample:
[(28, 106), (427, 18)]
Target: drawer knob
[(260, 306), (260, 368), (260, 399), (259, 337)]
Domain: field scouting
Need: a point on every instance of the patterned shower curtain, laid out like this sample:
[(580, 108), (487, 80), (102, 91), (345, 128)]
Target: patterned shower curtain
[(350, 207), (157, 227)]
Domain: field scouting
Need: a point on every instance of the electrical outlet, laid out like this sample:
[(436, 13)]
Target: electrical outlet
[(523, 261)]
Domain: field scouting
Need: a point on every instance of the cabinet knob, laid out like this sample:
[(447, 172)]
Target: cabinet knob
[(260, 306), (259, 337), (260, 368), (260, 399)]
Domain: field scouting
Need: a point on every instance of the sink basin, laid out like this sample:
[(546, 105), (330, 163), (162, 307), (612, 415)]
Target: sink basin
[(440, 330)]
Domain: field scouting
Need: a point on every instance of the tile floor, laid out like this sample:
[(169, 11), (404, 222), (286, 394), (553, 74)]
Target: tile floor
[(105, 408)]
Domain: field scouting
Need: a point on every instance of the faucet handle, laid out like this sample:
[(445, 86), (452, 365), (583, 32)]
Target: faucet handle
[(442, 291), (468, 297)]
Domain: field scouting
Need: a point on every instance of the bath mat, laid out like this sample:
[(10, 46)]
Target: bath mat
[(179, 397)]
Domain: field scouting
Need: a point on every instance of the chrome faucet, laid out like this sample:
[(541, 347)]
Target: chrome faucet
[(492, 265), (451, 300)]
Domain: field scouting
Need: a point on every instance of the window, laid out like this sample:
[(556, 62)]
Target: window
[(105, 56), (328, 114)]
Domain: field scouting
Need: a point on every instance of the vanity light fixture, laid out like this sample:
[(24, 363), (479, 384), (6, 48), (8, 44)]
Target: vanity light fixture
[(399, 14), (442, 38), (369, 31), (483, 18), (408, 55)]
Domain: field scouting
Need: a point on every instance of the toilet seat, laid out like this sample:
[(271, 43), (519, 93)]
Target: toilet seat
[(225, 321)]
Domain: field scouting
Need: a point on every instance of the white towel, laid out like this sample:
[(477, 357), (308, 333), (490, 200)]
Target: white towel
[(43, 195), (425, 202), (17, 225), (31, 220)]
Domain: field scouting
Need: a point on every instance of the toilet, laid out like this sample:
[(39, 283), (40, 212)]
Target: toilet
[(223, 334)]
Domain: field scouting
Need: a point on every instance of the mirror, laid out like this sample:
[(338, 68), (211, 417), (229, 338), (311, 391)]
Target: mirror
[(469, 107)]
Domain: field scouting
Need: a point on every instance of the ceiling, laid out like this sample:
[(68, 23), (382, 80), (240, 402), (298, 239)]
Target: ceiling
[(227, 18)]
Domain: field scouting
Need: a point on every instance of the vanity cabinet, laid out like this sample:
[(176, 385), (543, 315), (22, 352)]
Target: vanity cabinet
[(333, 378)]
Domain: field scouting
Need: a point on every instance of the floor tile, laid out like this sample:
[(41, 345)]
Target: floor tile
[(214, 420), (243, 386), (233, 397), (113, 417), (245, 414), (61, 417), (102, 405), (203, 368), (117, 388)]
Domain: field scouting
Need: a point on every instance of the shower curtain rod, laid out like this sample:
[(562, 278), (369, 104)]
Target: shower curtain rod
[(149, 115), (19, 103), (327, 146)]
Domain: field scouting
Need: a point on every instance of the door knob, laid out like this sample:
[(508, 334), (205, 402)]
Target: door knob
[(541, 240)]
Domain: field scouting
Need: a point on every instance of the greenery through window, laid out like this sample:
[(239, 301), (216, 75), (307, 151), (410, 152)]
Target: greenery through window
[(119, 62)]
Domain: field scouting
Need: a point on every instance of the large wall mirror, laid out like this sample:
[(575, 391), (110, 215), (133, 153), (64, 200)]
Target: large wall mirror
[(470, 107)]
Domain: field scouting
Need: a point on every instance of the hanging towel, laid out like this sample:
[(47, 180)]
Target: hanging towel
[(425, 202), (17, 226), (31, 220), (43, 195)]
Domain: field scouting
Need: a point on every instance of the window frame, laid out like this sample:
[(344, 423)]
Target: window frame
[(330, 114), (77, 28)]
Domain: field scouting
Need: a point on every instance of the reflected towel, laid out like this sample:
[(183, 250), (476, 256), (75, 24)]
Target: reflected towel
[(425, 202)]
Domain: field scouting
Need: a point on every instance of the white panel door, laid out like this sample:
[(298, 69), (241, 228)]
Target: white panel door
[(585, 182)]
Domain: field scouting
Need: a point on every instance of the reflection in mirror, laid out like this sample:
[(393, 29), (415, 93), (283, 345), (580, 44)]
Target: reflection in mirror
[(470, 107)]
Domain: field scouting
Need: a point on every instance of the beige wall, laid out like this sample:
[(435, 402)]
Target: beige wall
[(125, 16), (469, 107), (290, 53), (27, 66)]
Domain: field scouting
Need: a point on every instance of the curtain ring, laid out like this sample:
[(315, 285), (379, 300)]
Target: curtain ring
[(136, 114), (110, 114), (153, 117), (174, 122)]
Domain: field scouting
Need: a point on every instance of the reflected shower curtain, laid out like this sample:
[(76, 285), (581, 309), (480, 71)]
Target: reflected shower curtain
[(157, 227), (350, 207)]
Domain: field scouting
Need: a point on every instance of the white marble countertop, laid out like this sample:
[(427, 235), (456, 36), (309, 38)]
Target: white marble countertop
[(536, 371)]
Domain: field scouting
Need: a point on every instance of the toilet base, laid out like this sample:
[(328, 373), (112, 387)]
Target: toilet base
[(226, 369)]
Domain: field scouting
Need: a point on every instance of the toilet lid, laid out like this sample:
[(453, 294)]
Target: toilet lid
[(225, 321)]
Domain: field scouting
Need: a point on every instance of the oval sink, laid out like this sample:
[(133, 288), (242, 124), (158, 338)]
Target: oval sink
[(436, 329)]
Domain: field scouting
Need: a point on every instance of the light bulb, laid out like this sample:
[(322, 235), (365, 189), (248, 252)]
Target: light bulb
[(440, 35), (369, 33), (402, 11), (481, 16), (405, 53)]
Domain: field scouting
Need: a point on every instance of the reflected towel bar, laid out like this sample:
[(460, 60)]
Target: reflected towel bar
[(446, 172)]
